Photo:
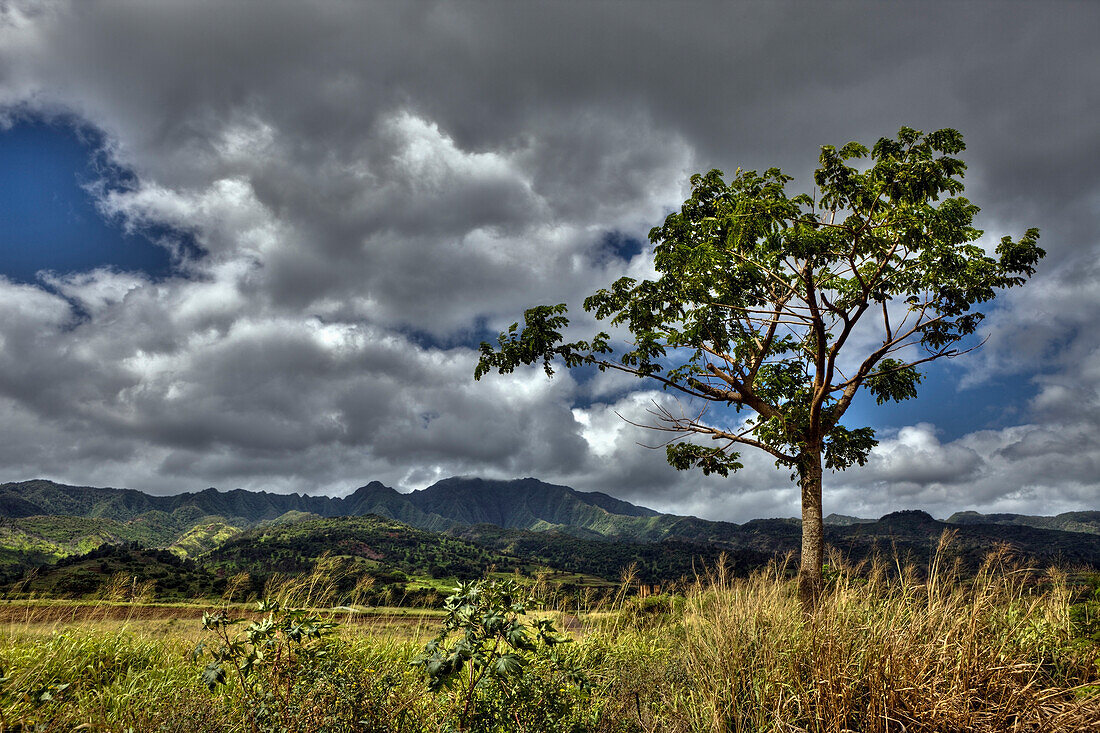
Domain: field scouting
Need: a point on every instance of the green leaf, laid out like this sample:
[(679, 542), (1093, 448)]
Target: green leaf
[(213, 675), (845, 448), (508, 665), (517, 637), (683, 456), (893, 380)]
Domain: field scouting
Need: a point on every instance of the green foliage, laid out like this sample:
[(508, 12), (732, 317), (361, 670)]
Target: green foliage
[(538, 340), (1086, 522), (758, 293), (655, 562), (1085, 613), (893, 380), (401, 561), (158, 573), (66, 671), (39, 539), (202, 538), (30, 700), (273, 662), (683, 456), (49, 538), (485, 646), (652, 611), (845, 448)]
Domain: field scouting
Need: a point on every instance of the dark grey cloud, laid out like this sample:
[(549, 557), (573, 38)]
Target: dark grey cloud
[(360, 172)]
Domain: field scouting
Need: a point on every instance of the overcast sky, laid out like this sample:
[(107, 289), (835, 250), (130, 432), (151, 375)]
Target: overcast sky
[(256, 244)]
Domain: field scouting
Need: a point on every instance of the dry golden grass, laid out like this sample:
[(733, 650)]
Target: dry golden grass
[(889, 650), (883, 652)]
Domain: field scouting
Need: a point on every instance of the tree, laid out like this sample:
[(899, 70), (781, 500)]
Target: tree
[(761, 298)]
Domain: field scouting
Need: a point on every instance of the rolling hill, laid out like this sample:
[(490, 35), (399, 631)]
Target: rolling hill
[(1088, 522)]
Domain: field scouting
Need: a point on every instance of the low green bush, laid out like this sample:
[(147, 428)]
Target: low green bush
[(498, 670)]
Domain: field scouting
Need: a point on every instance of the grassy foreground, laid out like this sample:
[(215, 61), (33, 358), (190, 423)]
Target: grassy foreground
[(886, 651)]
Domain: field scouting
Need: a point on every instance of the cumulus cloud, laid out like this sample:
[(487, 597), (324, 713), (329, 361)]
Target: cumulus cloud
[(374, 187), (915, 456)]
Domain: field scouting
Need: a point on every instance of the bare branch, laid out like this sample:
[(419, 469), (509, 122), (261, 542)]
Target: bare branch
[(767, 270), (663, 380), (734, 438)]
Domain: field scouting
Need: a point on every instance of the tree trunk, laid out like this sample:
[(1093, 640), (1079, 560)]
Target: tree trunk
[(810, 578)]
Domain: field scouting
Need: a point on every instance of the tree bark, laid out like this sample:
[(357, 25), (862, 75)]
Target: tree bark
[(811, 581)]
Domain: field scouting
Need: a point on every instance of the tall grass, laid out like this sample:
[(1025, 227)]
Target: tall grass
[(104, 680), (890, 648), (884, 651)]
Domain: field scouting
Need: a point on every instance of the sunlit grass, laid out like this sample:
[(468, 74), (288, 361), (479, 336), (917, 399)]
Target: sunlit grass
[(889, 649)]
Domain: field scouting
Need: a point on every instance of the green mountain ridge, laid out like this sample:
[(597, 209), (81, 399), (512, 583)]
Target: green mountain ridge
[(520, 504), (44, 521), (1087, 522)]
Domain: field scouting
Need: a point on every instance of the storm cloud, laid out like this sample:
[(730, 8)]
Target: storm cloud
[(372, 188)]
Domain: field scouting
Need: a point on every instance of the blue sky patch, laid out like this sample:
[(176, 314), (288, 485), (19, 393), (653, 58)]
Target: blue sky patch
[(620, 246), (941, 400), (48, 220)]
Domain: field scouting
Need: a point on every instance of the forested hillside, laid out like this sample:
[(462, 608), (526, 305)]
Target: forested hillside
[(500, 525)]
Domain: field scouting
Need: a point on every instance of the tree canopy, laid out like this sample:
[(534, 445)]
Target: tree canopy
[(784, 306)]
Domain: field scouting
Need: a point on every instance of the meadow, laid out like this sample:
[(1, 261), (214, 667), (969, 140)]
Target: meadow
[(889, 648)]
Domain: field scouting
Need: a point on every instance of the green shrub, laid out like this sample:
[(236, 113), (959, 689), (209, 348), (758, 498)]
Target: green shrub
[(499, 671), (274, 669), (115, 681)]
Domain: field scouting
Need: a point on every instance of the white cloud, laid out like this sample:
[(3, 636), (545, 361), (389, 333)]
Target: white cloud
[(916, 456), (373, 185)]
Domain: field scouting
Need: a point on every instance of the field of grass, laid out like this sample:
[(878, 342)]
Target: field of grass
[(899, 651)]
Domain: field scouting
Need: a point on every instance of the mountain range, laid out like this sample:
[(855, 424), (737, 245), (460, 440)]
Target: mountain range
[(41, 521)]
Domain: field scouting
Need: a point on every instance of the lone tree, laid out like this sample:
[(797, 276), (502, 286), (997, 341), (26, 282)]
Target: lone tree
[(762, 301)]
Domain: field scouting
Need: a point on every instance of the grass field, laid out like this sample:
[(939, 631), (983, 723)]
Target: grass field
[(885, 651)]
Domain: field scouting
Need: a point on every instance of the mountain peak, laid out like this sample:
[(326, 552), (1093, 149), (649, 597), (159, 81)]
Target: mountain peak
[(525, 503), (374, 487)]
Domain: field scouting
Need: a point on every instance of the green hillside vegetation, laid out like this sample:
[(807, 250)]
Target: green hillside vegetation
[(378, 542), (203, 538), (237, 507), (523, 504), (38, 539), (1087, 522), (655, 563), (844, 520), (121, 572), (42, 539), (917, 535), (294, 516), (532, 504), (396, 556), (371, 559)]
